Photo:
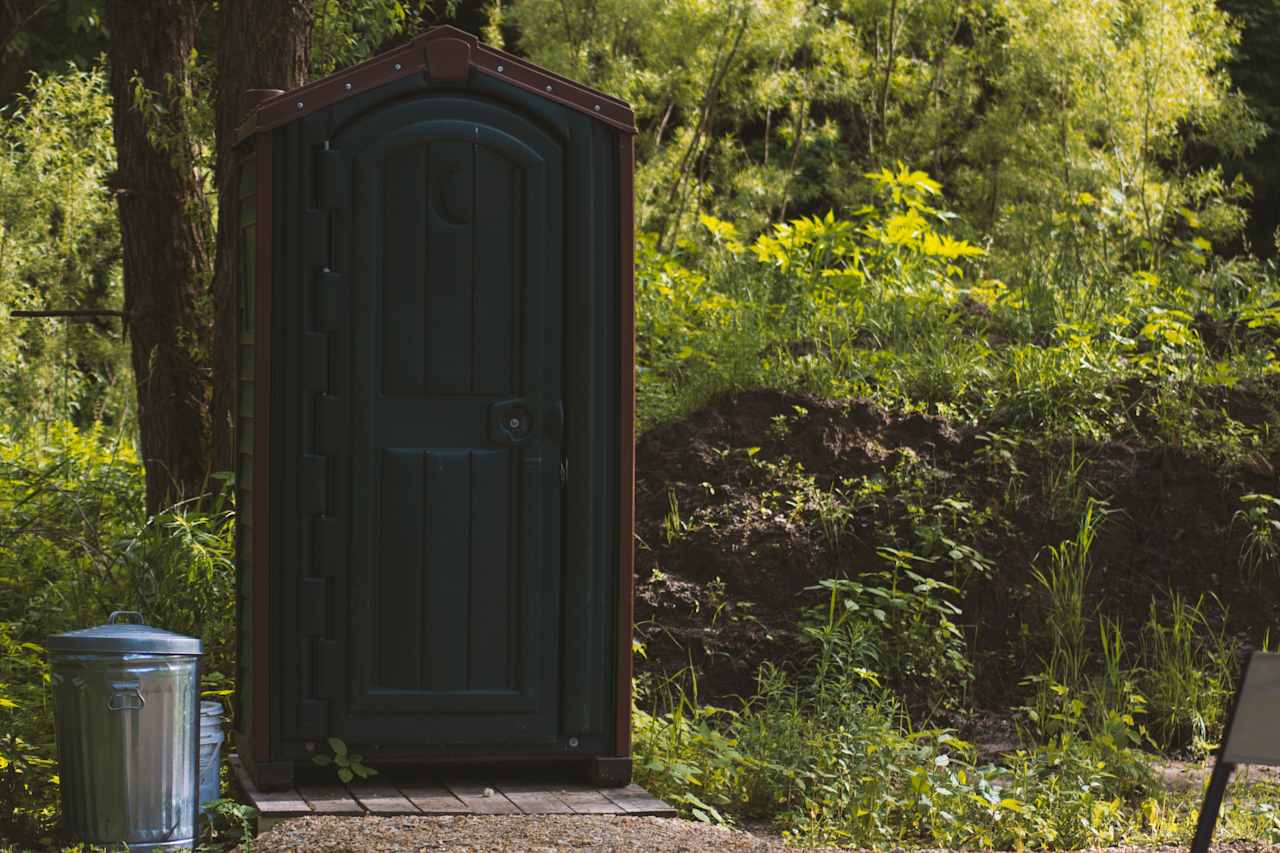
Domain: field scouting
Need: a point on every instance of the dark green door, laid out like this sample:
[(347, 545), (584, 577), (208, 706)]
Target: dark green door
[(456, 242)]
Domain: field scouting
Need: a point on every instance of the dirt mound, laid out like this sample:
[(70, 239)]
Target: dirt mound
[(737, 517), (724, 562), (826, 437)]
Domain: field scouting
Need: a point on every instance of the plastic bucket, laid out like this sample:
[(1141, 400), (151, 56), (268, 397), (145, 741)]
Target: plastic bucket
[(211, 738)]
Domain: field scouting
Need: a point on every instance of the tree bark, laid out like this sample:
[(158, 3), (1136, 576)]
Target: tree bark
[(165, 226), (262, 44)]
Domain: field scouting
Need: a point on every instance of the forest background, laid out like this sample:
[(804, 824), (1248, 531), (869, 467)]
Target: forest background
[(947, 310)]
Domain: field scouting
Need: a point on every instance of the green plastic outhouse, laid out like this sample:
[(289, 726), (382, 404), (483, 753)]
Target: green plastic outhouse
[(435, 416)]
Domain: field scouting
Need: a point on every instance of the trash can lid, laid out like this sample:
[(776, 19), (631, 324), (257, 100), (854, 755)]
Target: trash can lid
[(122, 635)]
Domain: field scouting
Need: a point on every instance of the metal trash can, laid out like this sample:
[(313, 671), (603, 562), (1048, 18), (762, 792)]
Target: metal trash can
[(126, 703)]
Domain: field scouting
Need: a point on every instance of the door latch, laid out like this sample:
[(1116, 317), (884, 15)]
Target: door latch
[(510, 422)]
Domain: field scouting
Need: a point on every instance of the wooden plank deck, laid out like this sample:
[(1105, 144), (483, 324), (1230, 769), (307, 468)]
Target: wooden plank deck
[(587, 800), (480, 798), (446, 797)]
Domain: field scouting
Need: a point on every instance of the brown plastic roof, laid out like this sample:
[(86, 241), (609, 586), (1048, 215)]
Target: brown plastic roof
[(446, 53)]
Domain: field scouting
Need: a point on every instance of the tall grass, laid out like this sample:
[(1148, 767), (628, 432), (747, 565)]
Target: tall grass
[(1065, 579), (1189, 673)]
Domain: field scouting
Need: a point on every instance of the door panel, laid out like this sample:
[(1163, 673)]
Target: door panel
[(455, 456), (455, 583)]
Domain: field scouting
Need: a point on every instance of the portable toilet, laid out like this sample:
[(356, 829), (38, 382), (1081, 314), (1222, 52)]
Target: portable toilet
[(435, 408)]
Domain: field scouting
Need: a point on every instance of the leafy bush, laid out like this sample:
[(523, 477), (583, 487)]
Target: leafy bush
[(830, 756), (60, 248), (886, 301), (75, 544), (1036, 111), (895, 625)]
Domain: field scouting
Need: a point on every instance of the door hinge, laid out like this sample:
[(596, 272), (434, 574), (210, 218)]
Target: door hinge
[(564, 470)]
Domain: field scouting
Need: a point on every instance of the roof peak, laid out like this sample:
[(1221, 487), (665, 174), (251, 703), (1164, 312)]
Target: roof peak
[(443, 53)]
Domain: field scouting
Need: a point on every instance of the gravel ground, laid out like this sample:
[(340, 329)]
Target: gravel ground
[(485, 833), (492, 834)]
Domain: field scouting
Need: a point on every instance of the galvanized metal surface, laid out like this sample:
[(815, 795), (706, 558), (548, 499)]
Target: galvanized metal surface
[(121, 636), (126, 727)]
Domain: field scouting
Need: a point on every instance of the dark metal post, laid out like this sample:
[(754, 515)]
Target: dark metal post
[(1212, 803), (73, 313)]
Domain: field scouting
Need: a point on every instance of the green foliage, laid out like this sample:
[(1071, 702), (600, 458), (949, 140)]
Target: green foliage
[(829, 756), (348, 764), (28, 771), (59, 248), (1065, 582), (1172, 693), (74, 546), (749, 111), (1072, 289), (344, 33), (1188, 675), (1259, 516), (889, 302), (225, 823), (890, 277), (1254, 72), (900, 628)]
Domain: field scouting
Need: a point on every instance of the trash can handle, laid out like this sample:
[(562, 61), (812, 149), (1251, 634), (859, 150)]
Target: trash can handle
[(111, 620), (126, 700)]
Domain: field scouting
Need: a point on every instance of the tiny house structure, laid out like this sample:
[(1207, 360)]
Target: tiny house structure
[(435, 416)]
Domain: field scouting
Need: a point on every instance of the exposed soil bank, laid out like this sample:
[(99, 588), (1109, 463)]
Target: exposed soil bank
[(726, 552)]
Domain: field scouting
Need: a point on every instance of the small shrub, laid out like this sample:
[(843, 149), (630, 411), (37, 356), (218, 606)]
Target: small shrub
[(1259, 516), (900, 627)]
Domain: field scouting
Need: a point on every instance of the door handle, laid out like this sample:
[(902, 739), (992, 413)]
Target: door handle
[(510, 422)]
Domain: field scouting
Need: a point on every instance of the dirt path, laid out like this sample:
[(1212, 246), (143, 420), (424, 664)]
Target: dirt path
[(1194, 775)]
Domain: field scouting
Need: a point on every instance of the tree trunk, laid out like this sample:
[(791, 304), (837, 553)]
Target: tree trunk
[(165, 225), (262, 44)]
